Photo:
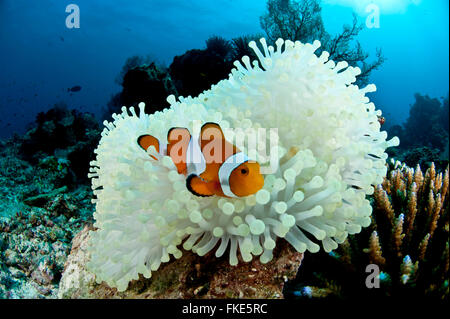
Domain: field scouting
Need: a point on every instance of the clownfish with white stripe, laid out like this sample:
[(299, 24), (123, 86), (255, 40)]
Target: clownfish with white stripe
[(212, 165)]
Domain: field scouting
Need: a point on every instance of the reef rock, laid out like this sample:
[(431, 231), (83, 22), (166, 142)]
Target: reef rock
[(42, 199), (196, 70), (76, 281), (147, 83), (62, 134), (191, 276)]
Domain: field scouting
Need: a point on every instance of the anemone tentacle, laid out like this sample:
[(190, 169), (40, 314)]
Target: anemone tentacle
[(330, 154)]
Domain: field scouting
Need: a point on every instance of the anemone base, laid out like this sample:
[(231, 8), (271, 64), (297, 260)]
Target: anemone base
[(190, 276)]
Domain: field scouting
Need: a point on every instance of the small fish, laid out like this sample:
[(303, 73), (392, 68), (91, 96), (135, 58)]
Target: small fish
[(75, 88), (212, 165)]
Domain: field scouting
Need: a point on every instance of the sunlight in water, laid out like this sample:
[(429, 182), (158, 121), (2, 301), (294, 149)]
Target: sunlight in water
[(386, 6)]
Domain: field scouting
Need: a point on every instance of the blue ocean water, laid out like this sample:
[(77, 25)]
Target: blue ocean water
[(40, 58), (45, 194)]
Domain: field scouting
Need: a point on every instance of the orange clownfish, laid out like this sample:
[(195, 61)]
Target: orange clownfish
[(212, 165)]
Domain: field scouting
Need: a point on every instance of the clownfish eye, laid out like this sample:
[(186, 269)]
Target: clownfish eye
[(244, 171)]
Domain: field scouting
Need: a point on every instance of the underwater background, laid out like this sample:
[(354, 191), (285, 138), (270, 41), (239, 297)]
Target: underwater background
[(60, 80)]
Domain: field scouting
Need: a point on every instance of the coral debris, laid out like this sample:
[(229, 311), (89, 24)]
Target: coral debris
[(38, 219)]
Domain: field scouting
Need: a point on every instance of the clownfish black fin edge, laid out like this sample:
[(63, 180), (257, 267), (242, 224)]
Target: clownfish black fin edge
[(189, 187), (139, 139), (146, 140), (176, 128)]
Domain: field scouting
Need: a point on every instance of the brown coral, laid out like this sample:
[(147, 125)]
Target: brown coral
[(418, 234), (408, 240)]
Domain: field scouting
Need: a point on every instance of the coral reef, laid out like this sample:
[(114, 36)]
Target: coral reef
[(196, 70), (408, 240), (424, 125), (241, 48), (189, 74), (66, 134), (301, 20), (76, 281), (149, 84), (422, 156), (424, 135), (39, 216), (190, 276), (131, 63), (146, 83), (153, 239), (315, 197)]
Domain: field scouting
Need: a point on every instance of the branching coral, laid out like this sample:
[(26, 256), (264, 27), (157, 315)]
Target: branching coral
[(330, 152), (408, 240), (419, 238)]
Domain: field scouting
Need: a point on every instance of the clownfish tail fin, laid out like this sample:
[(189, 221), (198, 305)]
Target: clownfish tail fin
[(145, 141)]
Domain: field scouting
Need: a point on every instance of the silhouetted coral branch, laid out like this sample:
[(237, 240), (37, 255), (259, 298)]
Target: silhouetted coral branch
[(302, 20)]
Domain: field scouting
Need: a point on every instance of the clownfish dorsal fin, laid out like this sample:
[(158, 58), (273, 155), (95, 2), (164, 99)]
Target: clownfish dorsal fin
[(177, 144), (145, 141), (209, 132), (214, 146), (198, 186)]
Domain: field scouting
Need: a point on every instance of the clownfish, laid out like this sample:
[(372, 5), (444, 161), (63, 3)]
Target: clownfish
[(212, 165)]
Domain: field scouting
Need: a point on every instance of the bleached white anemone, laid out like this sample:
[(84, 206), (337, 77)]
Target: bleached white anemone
[(330, 152)]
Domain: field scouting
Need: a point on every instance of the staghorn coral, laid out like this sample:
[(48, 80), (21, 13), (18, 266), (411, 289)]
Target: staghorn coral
[(408, 240), (315, 196)]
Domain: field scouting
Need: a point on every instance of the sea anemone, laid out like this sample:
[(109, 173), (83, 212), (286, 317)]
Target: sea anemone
[(329, 153)]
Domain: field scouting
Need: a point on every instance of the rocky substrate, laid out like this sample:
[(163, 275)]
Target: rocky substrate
[(40, 213), (190, 276)]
